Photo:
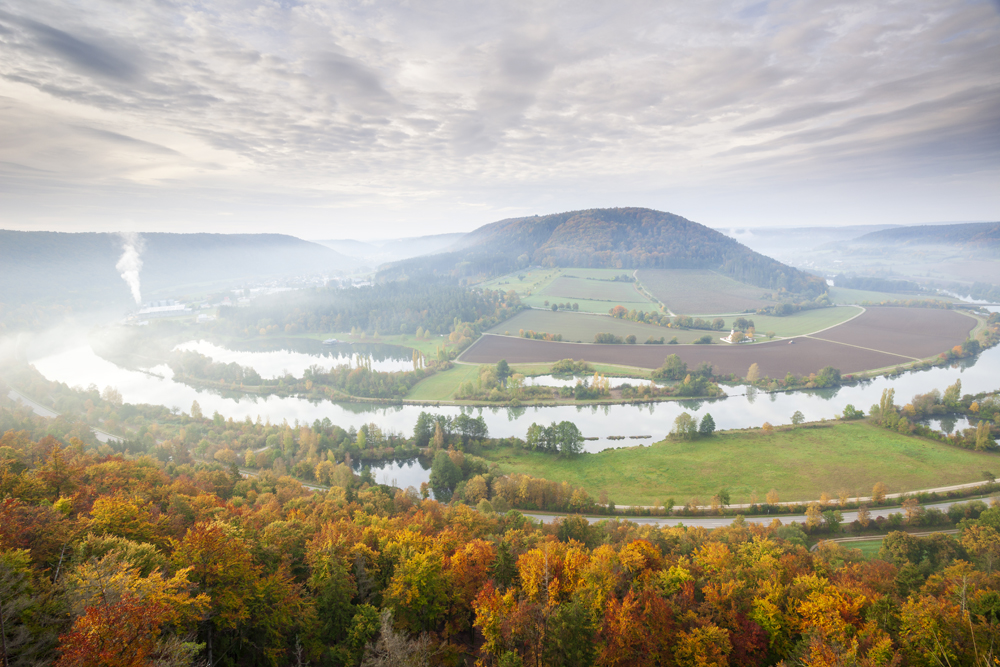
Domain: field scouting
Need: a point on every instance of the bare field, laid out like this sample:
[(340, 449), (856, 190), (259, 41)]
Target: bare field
[(775, 359), (914, 332), (890, 335), (701, 292)]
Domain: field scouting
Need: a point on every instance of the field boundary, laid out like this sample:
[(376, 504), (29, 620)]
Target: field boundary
[(860, 347)]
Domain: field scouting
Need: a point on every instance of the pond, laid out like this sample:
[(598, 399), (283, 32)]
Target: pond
[(80, 366)]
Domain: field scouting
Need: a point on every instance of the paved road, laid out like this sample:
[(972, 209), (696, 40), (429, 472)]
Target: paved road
[(43, 411), (720, 521)]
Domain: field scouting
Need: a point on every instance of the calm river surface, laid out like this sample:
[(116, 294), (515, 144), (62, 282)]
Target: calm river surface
[(80, 366)]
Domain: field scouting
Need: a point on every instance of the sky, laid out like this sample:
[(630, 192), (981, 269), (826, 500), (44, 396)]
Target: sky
[(390, 119)]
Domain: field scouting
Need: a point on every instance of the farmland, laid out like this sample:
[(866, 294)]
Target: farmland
[(567, 287), (593, 290), (801, 323), (442, 386), (879, 338), (775, 359), (581, 327), (799, 463), (913, 332), (700, 292)]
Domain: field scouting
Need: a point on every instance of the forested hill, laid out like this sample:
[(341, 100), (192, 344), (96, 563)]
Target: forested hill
[(79, 269), (984, 235), (626, 238)]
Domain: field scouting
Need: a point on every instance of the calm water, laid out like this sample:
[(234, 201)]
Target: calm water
[(276, 358), (79, 366)]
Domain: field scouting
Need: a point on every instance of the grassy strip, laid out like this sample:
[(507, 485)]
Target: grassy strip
[(799, 463), (802, 322), (442, 386)]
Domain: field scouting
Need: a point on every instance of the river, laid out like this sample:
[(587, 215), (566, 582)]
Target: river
[(80, 366)]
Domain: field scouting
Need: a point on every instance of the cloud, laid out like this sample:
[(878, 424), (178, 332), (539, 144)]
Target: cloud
[(451, 113)]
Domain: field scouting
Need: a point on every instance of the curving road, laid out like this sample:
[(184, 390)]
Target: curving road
[(721, 521), (43, 411)]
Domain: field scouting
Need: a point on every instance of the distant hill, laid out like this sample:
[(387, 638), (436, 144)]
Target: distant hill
[(973, 235), (375, 253), (56, 267), (623, 238)]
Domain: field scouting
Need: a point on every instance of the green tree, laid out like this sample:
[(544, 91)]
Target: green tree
[(570, 438), (984, 437), (672, 369), (707, 426), (798, 418), (953, 394), (423, 431), (685, 427), (503, 372), (569, 635), (445, 475)]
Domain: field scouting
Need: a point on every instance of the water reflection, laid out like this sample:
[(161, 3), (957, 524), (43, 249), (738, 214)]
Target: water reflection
[(402, 474), (274, 358), (79, 366)]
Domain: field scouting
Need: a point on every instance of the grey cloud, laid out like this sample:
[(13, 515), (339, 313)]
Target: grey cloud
[(796, 115), (82, 54), (347, 78), (124, 140), (402, 102), (985, 99)]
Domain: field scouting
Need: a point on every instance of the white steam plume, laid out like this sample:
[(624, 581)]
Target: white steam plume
[(131, 262)]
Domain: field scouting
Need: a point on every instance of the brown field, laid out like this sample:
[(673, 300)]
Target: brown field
[(926, 332), (914, 332)]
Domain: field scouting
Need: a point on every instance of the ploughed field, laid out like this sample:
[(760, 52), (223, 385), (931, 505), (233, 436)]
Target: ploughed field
[(878, 338)]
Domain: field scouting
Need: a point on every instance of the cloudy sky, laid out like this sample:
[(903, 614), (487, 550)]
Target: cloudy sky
[(383, 119)]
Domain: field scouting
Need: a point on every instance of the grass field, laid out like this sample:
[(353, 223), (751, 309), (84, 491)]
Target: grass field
[(442, 386), (591, 289), (583, 326), (565, 287), (868, 548), (588, 306), (523, 282), (701, 292), (843, 295), (799, 463), (803, 322)]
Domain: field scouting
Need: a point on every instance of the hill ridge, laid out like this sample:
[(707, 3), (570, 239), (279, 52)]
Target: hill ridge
[(621, 238)]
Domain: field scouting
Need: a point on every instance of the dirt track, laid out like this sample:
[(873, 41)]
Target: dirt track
[(895, 336)]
